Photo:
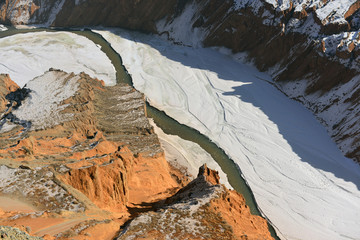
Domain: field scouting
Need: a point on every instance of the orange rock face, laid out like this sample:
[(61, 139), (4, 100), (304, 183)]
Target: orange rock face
[(87, 175), (232, 208), (6, 86), (77, 155), (202, 209)]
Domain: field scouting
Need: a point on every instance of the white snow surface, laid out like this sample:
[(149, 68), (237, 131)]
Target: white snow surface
[(300, 179), (3, 28), (43, 106), (332, 108), (186, 154), (25, 56)]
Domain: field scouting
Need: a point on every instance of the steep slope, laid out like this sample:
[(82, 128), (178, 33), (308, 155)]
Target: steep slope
[(131, 14), (203, 209)]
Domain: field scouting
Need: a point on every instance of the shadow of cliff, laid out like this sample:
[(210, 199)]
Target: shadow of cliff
[(298, 126)]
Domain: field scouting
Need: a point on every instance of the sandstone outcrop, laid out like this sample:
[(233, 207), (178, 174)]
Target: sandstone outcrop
[(79, 160), (65, 153), (202, 209), (6, 86)]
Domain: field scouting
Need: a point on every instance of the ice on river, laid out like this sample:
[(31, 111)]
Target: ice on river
[(3, 28), (300, 179), (25, 56)]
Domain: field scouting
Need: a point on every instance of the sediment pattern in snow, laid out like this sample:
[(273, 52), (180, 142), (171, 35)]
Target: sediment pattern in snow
[(300, 179), (25, 56)]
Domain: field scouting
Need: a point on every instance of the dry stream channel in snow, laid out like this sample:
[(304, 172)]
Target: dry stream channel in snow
[(299, 178)]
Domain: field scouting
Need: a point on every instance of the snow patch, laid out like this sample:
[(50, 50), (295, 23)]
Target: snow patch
[(334, 11), (25, 56), (43, 105), (3, 28)]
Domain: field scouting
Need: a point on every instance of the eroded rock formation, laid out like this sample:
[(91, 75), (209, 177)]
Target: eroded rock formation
[(80, 160), (202, 209)]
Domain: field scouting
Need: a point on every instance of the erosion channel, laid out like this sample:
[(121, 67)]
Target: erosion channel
[(162, 120)]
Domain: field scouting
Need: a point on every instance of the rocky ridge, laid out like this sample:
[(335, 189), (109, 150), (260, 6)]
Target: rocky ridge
[(202, 209), (89, 166)]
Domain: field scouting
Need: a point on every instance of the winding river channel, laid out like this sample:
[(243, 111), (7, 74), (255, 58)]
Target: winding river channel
[(162, 120)]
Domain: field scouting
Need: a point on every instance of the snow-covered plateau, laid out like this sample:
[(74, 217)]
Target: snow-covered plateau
[(301, 181), (26, 56)]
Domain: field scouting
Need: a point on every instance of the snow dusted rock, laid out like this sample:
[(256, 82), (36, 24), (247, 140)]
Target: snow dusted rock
[(39, 187), (201, 210), (15, 233), (30, 11)]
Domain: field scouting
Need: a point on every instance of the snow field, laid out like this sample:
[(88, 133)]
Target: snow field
[(43, 107), (26, 56)]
